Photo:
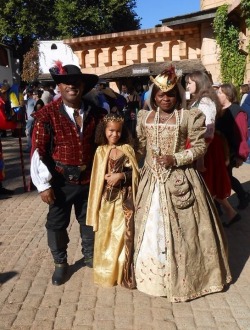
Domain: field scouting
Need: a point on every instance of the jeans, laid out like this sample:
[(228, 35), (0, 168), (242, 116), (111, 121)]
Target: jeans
[(28, 132)]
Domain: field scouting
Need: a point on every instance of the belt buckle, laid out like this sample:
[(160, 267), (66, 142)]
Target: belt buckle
[(82, 168), (71, 178)]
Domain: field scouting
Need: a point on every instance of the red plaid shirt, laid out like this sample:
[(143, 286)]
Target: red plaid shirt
[(68, 147)]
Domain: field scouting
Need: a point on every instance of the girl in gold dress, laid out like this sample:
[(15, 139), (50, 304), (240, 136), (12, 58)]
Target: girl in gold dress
[(111, 204), (180, 249)]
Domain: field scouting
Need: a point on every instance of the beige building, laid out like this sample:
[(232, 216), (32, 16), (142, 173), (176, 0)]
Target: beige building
[(187, 40)]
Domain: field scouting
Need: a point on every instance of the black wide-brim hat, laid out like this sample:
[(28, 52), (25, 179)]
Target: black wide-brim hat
[(69, 74)]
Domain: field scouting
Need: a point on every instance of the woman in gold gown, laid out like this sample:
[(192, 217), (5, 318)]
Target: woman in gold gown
[(180, 248)]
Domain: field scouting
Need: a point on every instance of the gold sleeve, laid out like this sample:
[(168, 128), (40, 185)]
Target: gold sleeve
[(196, 131)]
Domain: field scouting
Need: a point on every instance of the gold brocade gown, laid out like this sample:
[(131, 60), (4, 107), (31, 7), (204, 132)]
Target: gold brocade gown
[(180, 248), (112, 216)]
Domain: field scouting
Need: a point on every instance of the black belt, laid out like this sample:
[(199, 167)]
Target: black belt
[(71, 173)]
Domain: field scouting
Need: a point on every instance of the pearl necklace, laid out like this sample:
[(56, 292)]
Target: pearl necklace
[(160, 170), (166, 118)]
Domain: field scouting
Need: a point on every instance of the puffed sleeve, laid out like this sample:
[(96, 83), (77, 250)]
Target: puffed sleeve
[(41, 139), (208, 107), (141, 134), (196, 130), (41, 136)]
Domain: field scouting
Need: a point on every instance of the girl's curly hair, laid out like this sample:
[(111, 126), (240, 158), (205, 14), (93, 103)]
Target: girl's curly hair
[(100, 136)]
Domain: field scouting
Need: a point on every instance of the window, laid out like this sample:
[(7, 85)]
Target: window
[(53, 46)]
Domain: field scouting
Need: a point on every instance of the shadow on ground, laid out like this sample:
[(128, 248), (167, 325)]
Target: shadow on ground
[(75, 267), (4, 277)]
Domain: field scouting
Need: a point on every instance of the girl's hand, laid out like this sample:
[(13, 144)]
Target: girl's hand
[(113, 179), (166, 161)]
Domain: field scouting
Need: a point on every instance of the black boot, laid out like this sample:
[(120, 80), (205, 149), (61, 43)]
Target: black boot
[(58, 242), (87, 236), (60, 274), (4, 191)]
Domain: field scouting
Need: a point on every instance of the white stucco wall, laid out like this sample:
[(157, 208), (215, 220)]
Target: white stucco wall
[(62, 52)]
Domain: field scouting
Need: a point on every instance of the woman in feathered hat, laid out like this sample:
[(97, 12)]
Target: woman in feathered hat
[(180, 249)]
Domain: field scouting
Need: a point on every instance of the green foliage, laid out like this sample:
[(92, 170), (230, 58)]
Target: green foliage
[(24, 22), (88, 17), (245, 7), (232, 61)]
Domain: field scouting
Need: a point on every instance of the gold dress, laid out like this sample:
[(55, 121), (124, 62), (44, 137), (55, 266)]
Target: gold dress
[(111, 213), (180, 248)]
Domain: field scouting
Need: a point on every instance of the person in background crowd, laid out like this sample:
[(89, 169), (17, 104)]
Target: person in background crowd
[(246, 106), (102, 84), (51, 90), (62, 155), (100, 88), (216, 86), (148, 92), (14, 107), (146, 103), (37, 94), (212, 166), (133, 106), (144, 91), (57, 93), (29, 104), (124, 90), (5, 124), (180, 249), (232, 123), (46, 95), (244, 91)]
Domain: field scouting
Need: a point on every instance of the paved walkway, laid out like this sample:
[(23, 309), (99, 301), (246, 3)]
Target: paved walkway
[(28, 300)]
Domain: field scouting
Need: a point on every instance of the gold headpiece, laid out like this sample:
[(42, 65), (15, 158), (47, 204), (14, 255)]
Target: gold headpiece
[(113, 118), (167, 79)]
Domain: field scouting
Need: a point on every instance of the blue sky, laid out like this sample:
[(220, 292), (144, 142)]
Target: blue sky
[(152, 11)]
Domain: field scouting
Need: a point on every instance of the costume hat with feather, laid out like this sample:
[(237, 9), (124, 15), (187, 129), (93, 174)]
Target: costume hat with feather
[(69, 74), (167, 79)]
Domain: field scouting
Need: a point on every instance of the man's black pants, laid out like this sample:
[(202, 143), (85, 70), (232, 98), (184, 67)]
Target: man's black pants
[(58, 219)]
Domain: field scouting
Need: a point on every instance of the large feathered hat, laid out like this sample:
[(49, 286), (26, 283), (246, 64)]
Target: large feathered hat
[(69, 73), (167, 79)]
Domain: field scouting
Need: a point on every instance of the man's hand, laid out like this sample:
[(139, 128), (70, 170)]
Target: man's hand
[(48, 196)]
